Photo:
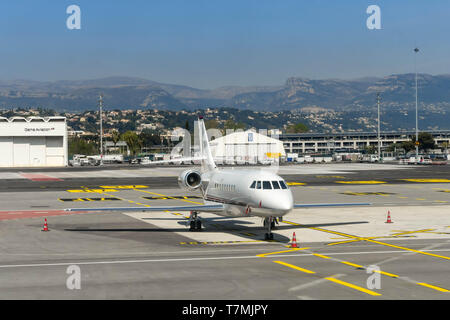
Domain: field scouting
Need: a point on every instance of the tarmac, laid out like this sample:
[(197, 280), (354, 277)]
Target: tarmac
[(153, 255)]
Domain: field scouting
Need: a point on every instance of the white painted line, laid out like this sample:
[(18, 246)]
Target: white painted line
[(194, 259)]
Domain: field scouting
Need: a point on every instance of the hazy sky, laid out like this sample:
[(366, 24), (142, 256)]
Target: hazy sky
[(212, 43)]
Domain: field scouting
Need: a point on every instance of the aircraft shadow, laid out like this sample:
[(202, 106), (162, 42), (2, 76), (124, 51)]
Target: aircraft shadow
[(230, 225)]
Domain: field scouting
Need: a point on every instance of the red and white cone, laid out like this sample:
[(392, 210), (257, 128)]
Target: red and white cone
[(45, 226), (389, 218), (294, 241)]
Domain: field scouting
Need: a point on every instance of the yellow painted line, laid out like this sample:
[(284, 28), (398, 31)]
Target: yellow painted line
[(294, 267), (372, 293), (427, 180), (386, 273), (352, 264), (295, 183), (441, 201), (432, 287), (362, 182), (421, 199), (125, 187), (90, 190), (402, 197), (123, 199), (321, 256), (270, 253), (163, 195), (409, 249), (373, 241), (342, 242)]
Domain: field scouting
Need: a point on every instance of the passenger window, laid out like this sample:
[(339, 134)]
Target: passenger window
[(275, 185), (253, 185), (283, 185), (258, 185), (267, 185)]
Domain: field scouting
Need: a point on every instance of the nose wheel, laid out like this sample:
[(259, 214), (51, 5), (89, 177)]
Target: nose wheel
[(270, 224), (195, 224)]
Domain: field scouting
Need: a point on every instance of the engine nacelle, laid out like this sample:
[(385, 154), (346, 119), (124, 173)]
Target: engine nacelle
[(190, 179)]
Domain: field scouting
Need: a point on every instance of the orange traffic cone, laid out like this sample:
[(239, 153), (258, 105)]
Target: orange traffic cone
[(294, 241), (389, 218), (45, 226)]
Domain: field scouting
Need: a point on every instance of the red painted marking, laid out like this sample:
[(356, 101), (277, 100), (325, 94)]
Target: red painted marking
[(24, 214), (38, 177)]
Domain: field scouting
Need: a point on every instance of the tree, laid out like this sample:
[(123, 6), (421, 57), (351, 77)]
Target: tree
[(297, 128), (133, 141), (115, 136), (211, 124), (408, 145), (81, 146), (426, 141), (231, 124)]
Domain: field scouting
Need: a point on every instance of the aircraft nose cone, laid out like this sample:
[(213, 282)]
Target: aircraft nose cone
[(285, 202)]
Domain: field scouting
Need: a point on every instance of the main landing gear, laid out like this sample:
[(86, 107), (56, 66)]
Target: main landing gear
[(195, 224), (270, 224)]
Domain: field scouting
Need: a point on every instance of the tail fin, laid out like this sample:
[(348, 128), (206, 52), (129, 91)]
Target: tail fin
[(205, 151)]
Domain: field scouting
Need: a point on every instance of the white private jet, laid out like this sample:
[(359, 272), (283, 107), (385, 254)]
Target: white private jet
[(232, 193)]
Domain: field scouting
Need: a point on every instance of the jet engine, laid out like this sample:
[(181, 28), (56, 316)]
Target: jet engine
[(190, 179)]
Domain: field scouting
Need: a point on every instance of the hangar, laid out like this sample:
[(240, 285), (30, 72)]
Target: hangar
[(247, 147), (33, 142)]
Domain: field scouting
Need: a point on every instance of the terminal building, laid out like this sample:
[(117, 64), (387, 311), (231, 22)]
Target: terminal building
[(33, 142), (328, 142)]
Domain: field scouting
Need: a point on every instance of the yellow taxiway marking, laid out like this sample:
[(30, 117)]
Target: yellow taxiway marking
[(295, 183), (162, 195), (372, 293), (321, 256), (294, 267), (427, 180), (386, 273), (402, 232), (432, 287), (352, 264), (270, 253), (125, 187), (91, 190), (362, 182), (123, 199), (371, 239)]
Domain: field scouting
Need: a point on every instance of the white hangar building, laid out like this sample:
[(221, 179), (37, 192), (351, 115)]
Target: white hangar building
[(246, 147), (33, 142)]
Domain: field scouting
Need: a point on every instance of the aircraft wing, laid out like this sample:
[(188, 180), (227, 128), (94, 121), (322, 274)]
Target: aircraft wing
[(312, 205), (200, 208)]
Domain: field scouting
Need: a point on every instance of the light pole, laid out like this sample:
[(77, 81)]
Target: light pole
[(100, 104), (379, 140), (417, 121)]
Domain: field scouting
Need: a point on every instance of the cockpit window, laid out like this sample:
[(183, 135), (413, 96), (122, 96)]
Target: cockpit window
[(283, 185), (275, 185), (253, 185), (258, 185), (267, 185)]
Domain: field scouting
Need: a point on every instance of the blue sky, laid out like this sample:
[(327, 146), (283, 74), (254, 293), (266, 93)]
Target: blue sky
[(212, 43)]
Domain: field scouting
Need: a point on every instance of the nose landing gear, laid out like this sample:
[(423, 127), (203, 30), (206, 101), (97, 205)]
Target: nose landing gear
[(270, 224)]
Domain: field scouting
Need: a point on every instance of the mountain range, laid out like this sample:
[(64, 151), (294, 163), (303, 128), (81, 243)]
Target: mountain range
[(397, 90)]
